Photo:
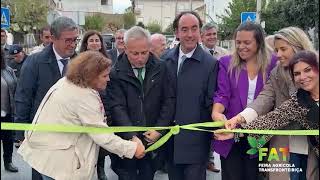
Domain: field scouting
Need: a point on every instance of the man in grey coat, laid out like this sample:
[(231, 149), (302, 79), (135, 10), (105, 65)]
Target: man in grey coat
[(194, 73)]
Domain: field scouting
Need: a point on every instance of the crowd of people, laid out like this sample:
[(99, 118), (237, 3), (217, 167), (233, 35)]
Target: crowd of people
[(263, 83)]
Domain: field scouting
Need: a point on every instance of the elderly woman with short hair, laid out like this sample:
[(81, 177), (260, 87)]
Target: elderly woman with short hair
[(75, 100)]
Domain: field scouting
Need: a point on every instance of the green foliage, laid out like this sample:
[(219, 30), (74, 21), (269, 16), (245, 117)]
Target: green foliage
[(277, 14), (231, 20), (95, 22), (154, 27), (27, 15), (129, 19), (169, 29)]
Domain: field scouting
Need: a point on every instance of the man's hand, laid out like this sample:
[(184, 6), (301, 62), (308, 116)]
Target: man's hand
[(139, 154), (151, 136)]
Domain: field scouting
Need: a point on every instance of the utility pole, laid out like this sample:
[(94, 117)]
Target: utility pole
[(258, 11), (176, 9), (190, 5)]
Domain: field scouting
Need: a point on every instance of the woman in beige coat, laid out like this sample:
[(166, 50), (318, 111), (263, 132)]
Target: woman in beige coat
[(75, 100), (288, 42)]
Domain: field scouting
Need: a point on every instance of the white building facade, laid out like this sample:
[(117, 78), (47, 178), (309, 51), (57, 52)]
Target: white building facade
[(77, 9), (163, 12)]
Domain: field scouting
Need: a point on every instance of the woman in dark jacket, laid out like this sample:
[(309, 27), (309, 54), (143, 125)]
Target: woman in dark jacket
[(8, 87)]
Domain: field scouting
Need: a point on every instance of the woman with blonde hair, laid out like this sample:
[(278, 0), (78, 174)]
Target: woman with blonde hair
[(288, 41), (74, 100)]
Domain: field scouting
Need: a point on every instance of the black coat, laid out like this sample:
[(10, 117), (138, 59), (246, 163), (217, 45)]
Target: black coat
[(130, 104), (39, 72), (194, 86), (113, 55)]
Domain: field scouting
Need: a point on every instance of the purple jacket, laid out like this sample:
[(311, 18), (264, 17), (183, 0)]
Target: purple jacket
[(233, 95)]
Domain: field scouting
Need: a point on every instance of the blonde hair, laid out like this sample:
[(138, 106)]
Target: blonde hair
[(297, 39), (263, 55)]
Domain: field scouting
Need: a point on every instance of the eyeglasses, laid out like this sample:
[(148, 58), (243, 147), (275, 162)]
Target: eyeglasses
[(71, 40)]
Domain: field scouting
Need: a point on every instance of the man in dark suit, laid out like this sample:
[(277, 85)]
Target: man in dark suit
[(42, 70), (119, 46), (194, 73), (139, 94)]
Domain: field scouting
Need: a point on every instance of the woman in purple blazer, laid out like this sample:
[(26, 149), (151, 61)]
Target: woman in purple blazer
[(241, 77)]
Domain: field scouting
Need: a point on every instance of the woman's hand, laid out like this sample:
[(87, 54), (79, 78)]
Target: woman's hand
[(220, 135), (233, 122), (140, 148), (216, 116)]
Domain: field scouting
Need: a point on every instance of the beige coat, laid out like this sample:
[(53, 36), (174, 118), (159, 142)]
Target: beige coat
[(70, 156), (277, 90)]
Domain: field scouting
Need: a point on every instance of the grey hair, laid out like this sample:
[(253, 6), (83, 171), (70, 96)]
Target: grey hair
[(158, 36), (208, 26), (121, 31), (62, 24), (136, 32)]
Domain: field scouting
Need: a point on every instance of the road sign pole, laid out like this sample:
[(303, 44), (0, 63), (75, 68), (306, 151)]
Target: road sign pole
[(258, 11)]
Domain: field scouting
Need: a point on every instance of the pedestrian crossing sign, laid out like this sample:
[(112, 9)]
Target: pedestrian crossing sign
[(5, 18), (248, 16)]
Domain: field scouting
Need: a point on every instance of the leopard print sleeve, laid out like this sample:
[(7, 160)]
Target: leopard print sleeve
[(279, 118)]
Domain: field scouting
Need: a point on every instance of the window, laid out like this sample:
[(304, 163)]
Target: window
[(104, 2)]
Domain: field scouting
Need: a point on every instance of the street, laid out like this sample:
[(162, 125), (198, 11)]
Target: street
[(25, 170)]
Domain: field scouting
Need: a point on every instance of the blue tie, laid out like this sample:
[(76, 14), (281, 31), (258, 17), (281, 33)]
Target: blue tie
[(183, 58), (65, 63)]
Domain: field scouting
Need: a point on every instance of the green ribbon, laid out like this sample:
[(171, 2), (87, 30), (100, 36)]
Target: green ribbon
[(173, 130)]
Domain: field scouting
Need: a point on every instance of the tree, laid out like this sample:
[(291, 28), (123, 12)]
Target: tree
[(129, 18), (169, 29), (231, 20), (154, 27), (95, 22), (27, 15), (274, 16)]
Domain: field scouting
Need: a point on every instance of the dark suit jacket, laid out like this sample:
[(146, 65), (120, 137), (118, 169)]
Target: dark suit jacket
[(113, 54), (194, 87), (39, 72), (130, 104)]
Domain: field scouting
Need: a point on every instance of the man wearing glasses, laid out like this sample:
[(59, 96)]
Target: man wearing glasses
[(45, 37), (119, 46), (42, 70)]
